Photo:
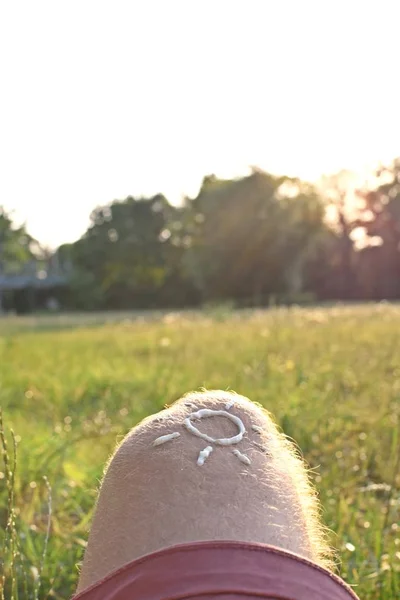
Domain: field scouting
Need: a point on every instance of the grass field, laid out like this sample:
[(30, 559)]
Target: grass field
[(71, 386)]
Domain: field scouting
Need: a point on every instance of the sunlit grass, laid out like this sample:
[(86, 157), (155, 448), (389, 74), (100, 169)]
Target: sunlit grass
[(72, 385)]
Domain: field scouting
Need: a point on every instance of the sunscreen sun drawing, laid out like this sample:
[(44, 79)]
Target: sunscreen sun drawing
[(205, 413)]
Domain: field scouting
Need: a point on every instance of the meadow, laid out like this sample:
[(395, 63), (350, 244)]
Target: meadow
[(72, 386)]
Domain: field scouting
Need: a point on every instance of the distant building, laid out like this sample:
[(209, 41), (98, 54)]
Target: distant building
[(39, 284)]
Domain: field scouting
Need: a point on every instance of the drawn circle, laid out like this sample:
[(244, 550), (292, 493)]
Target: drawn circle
[(207, 412)]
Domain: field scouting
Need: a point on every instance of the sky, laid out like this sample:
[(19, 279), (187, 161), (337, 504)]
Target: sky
[(101, 100)]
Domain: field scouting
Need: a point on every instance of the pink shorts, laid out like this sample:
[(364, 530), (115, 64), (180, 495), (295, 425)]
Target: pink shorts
[(220, 571)]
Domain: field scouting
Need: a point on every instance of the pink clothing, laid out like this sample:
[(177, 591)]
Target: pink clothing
[(220, 571)]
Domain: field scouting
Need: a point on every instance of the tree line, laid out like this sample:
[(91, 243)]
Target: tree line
[(254, 241)]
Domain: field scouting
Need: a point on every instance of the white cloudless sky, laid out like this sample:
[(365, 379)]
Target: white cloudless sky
[(104, 99)]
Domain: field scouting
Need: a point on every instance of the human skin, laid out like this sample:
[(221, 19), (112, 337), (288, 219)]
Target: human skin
[(154, 496)]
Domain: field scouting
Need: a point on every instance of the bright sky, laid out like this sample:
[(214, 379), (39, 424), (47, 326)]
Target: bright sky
[(100, 100)]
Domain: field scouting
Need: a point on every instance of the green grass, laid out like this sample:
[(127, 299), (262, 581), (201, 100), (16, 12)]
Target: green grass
[(71, 386)]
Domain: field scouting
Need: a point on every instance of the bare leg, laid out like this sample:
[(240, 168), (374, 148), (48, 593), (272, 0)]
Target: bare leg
[(155, 496)]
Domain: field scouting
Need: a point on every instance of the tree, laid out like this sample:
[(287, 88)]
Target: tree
[(126, 257), (341, 214), (15, 244), (15, 247), (249, 238), (380, 220)]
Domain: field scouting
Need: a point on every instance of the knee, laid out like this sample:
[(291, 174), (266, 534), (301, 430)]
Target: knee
[(214, 449)]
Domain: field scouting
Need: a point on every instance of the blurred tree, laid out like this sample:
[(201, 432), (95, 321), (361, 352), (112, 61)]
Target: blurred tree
[(341, 212), (249, 238), (126, 258), (16, 248), (380, 220)]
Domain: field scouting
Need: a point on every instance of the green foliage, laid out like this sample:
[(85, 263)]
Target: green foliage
[(246, 241), (238, 240), (251, 237), (18, 576), (126, 256), (85, 291), (330, 376), (15, 245)]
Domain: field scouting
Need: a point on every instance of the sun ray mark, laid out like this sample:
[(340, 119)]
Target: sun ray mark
[(166, 438), (257, 429), (260, 447), (191, 405), (242, 457), (203, 455)]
